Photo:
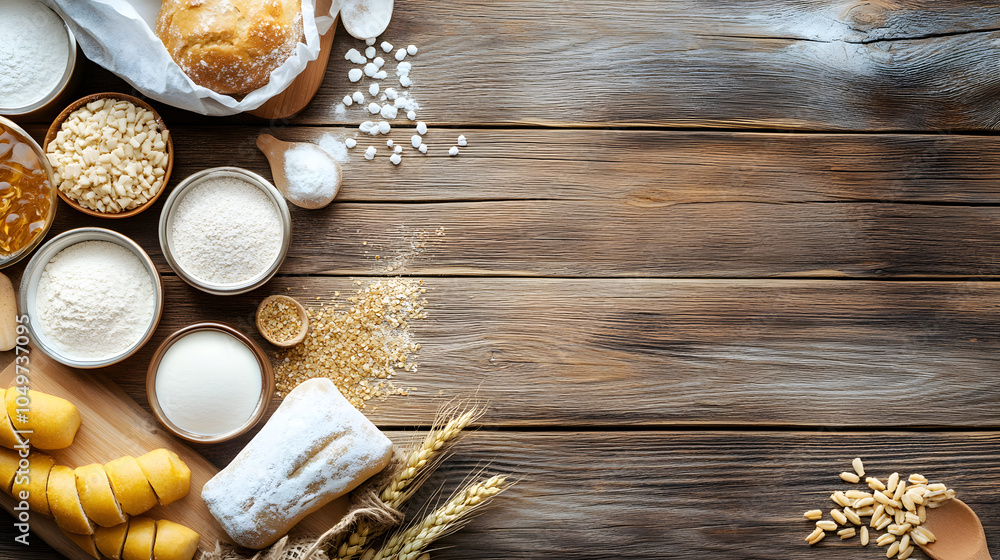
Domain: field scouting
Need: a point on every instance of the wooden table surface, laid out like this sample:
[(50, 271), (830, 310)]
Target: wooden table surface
[(697, 256)]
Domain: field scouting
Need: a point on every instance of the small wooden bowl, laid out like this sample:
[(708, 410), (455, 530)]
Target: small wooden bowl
[(57, 124), (303, 316)]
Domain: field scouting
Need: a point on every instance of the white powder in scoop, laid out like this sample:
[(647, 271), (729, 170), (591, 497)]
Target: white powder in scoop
[(332, 145), (94, 300), (312, 176), (226, 231), (34, 50)]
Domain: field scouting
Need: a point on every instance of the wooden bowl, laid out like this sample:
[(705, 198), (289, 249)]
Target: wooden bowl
[(303, 316), (57, 124)]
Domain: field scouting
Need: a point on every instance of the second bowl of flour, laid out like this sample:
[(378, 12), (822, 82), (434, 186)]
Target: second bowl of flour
[(92, 296)]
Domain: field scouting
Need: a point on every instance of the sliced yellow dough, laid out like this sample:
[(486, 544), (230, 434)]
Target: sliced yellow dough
[(64, 502), (86, 542), (166, 473), (34, 482), (8, 438), (96, 496), (130, 485), (53, 421), (8, 468), (174, 541), (111, 540), (139, 541)]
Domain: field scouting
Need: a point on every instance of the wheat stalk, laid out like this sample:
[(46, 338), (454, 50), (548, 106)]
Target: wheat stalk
[(419, 463), (409, 544)]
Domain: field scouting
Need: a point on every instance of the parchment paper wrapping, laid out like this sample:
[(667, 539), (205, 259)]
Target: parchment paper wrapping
[(118, 35)]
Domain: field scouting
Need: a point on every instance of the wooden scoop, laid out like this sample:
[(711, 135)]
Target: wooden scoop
[(959, 533), (299, 309), (274, 150)]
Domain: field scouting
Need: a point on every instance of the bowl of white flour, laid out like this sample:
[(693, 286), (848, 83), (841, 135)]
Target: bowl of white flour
[(225, 230), (92, 296), (37, 56)]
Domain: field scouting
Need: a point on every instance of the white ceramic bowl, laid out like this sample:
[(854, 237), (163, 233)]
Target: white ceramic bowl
[(167, 222), (60, 87), (33, 273)]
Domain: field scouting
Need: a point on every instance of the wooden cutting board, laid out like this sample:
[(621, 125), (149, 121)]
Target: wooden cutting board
[(304, 87), (114, 425)]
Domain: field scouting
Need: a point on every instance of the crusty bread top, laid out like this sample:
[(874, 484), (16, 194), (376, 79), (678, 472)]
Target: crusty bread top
[(230, 46)]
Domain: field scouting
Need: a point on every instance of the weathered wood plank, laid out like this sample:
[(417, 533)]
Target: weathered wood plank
[(682, 494), (816, 64), (672, 352)]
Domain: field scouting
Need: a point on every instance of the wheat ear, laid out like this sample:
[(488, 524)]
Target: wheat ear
[(420, 462), (411, 543)]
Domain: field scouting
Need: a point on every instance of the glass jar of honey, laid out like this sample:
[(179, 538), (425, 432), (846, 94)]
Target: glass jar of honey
[(27, 193)]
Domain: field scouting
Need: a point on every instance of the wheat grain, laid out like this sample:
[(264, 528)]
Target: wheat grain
[(409, 544), (859, 467), (813, 515), (864, 536)]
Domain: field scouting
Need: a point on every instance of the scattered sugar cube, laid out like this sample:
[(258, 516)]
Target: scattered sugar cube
[(416, 140), (351, 54), (390, 93), (395, 159), (462, 141), (380, 75), (412, 115), (366, 126), (389, 112), (405, 81), (421, 128), (350, 142), (388, 142), (374, 108), (378, 62), (403, 69), (370, 152), (371, 40), (370, 69), (382, 97), (400, 54), (354, 74), (370, 52), (373, 90), (423, 148), (383, 127), (453, 151), (398, 149), (411, 49), (348, 101), (358, 97), (386, 46)]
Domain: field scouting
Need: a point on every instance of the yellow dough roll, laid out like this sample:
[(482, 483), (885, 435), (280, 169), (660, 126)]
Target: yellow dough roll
[(34, 481), (130, 485), (64, 502), (97, 497), (52, 421), (139, 540), (85, 542), (8, 438), (8, 468), (166, 473), (111, 540), (174, 541)]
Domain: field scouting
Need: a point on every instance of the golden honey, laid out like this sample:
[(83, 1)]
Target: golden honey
[(25, 193)]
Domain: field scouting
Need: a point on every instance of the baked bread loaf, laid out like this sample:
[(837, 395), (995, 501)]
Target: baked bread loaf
[(139, 539), (315, 448), (130, 485), (64, 502), (85, 542), (111, 540), (174, 541), (230, 46), (166, 473), (39, 467), (51, 423), (97, 497), (8, 468)]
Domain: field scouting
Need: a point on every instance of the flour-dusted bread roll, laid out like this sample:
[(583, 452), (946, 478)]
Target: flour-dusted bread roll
[(315, 448), (230, 46), (97, 497), (64, 502), (130, 485), (51, 422)]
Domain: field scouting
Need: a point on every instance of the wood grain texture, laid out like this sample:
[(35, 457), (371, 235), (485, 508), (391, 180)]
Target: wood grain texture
[(643, 204), (684, 495), (669, 352)]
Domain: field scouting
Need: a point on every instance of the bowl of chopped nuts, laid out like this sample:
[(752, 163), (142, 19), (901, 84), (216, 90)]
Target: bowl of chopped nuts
[(111, 153)]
